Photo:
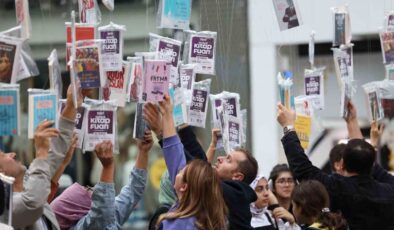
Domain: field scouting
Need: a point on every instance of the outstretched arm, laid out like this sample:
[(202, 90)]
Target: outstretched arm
[(172, 146), (131, 193), (212, 146), (353, 128), (298, 161)]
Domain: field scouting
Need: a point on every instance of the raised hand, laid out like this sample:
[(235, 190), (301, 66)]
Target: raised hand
[(376, 133), (166, 106), (285, 116), (104, 153), (282, 213), (352, 112), (71, 150), (41, 138), (153, 117), (146, 144)]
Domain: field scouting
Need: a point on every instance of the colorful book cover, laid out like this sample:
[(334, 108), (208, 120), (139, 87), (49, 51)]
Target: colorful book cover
[(88, 12), (87, 67), (100, 127), (387, 42), (303, 127), (175, 14), (116, 85), (112, 49), (140, 124), (41, 107), (8, 58), (157, 76), (82, 32), (9, 112), (202, 53)]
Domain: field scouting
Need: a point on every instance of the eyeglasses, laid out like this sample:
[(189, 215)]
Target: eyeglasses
[(283, 181)]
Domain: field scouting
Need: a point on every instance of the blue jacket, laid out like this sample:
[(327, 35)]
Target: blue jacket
[(108, 211)]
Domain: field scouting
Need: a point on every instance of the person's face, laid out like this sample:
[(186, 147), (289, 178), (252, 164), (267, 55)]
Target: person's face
[(9, 166), (227, 166), (339, 167), (180, 185), (262, 192), (284, 185), (5, 65)]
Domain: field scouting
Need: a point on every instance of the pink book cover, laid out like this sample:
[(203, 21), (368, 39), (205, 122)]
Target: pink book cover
[(157, 76)]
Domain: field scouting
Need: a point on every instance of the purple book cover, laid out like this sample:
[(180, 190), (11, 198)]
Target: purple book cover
[(230, 106), (100, 122), (111, 41), (186, 78), (233, 132), (312, 85), (157, 76), (169, 51), (202, 47), (198, 100)]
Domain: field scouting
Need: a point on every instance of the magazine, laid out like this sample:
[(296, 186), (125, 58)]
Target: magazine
[(156, 74)]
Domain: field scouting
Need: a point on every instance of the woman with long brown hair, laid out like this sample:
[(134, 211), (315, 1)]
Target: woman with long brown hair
[(200, 202)]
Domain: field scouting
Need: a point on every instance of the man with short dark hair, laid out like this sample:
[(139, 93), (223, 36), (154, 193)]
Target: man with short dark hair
[(363, 201)]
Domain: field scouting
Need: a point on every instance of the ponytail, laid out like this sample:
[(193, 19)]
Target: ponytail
[(331, 220)]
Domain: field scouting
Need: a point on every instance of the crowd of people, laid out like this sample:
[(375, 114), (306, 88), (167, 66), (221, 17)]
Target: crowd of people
[(200, 192)]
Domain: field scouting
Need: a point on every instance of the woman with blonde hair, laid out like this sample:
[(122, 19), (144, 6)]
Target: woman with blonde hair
[(200, 204)]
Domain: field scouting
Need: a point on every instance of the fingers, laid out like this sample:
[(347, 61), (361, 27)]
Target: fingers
[(280, 106), (43, 125)]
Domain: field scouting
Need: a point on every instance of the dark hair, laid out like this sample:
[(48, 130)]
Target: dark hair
[(312, 197), (358, 157), (161, 210), (248, 167), (277, 170), (336, 155)]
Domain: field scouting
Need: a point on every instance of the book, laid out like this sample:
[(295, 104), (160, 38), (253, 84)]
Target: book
[(42, 106), (232, 133), (140, 124), (287, 14), (87, 66), (387, 43), (202, 51), (100, 125), (55, 76), (303, 127), (174, 14), (10, 58), (116, 85), (179, 111), (156, 80), (9, 110), (112, 47)]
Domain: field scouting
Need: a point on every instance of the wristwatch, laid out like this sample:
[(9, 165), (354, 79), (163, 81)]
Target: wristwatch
[(287, 129)]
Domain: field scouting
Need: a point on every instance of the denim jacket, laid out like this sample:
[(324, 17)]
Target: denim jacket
[(110, 212)]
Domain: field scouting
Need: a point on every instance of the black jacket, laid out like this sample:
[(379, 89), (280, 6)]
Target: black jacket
[(237, 194), (366, 203)]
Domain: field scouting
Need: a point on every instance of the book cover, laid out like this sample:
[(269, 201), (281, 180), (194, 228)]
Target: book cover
[(99, 127), (175, 14), (55, 77), (313, 88), (303, 127), (197, 109), (87, 67), (9, 112), (287, 14), (387, 43), (157, 74), (8, 59), (136, 82), (340, 29), (232, 137), (169, 50), (112, 49), (116, 85), (179, 110), (41, 107), (202, 53)]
